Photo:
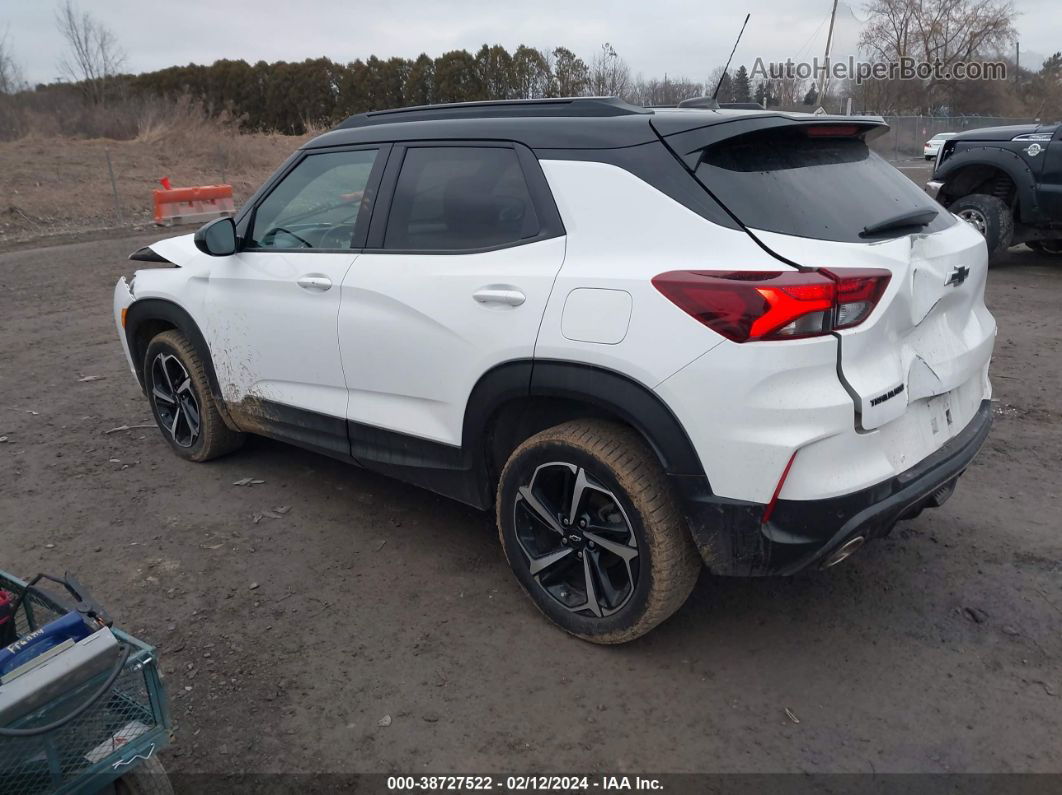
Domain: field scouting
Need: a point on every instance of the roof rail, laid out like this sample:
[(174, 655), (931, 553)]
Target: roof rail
[(703, 103), (503, 108)]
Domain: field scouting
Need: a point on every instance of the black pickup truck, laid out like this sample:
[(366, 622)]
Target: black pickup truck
[(1006, 181)]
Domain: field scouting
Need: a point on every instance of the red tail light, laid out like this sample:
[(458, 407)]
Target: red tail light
[(768, 305)]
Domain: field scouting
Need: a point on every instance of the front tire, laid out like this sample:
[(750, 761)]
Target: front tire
[(590, 527), (989, 216), (176, 384)]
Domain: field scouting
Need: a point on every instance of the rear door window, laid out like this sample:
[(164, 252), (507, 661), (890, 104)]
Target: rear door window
[(458, 198), (828, 188)]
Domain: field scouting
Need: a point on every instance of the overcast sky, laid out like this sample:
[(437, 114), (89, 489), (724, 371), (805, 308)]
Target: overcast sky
[(679, 38)]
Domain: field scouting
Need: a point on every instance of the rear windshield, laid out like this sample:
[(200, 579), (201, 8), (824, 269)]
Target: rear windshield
[(824, 188)]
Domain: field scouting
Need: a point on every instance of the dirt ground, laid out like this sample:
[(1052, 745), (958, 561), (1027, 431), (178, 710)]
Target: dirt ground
[(57, 186), (286, 642)]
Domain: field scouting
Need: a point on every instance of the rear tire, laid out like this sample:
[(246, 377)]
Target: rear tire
[(989, 216), (179, 392), (620, 560)]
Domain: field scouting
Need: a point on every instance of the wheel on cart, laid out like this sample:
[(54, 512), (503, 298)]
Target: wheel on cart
[(148, 777)]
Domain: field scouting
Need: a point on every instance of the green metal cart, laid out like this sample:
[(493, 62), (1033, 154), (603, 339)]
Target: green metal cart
[(104, 735)]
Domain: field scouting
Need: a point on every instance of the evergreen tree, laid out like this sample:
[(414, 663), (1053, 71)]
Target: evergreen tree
[(494, 68), (457, 78), (530, 74), (420, 82), (570, 73), (726, 88), (742, 90)]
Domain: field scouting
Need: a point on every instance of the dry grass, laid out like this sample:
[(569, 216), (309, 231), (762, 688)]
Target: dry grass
[(56, 185)]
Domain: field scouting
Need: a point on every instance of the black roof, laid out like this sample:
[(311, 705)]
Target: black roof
[(568, 107), (565, 123)]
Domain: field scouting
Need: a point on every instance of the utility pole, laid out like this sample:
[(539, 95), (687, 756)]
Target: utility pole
[(824, 83)]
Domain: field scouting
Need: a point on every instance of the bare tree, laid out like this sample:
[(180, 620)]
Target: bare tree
[(10, 75), (669, 91), (609, 74), (94, 57), (944, 31)]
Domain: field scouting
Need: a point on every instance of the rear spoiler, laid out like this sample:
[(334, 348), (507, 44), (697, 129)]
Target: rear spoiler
[(688, 141)]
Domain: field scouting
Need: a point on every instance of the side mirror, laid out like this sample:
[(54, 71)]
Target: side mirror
[(218, 238)]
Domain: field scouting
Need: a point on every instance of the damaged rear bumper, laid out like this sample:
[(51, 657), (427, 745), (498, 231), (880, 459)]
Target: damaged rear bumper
[(733, 540)]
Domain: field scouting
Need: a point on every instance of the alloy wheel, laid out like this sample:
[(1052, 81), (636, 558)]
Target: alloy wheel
[(174, 399), (577, 539), (975, 218)]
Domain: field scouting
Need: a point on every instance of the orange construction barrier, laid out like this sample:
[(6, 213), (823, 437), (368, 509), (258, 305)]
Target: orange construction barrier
[(184, 205)]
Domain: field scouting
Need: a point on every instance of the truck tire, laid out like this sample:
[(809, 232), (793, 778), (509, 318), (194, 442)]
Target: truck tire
[(1052, 248), (989, 216), (590, 527)]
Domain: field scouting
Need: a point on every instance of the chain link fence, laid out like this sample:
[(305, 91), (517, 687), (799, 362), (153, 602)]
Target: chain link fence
[(907, 134)]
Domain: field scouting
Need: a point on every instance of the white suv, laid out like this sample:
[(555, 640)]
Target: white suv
[(646, 339)]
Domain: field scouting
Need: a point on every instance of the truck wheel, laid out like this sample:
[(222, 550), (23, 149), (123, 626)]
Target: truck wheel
[(593, 533), (176, 384), (1052, 248), (989, 216)]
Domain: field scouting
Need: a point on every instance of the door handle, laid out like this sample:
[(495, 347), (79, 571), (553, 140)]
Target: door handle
[(315, 283), (509, 296)]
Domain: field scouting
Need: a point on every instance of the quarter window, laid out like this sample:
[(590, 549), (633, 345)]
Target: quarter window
[(451, 198), (316, 206)]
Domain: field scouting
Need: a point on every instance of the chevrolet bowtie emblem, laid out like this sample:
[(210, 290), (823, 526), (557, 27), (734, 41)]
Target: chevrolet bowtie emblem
[(958, 276)]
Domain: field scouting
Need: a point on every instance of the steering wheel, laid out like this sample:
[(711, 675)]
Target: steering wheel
[(337, 236)]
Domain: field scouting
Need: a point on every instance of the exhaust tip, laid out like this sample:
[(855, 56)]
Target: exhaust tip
[(846, 550)]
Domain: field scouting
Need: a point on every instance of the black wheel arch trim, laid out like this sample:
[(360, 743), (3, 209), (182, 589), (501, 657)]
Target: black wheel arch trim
[(633, 402), (608, 390), (146, 310), (1004, 160)]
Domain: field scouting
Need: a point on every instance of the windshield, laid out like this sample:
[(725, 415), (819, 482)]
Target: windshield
[(819, 187)]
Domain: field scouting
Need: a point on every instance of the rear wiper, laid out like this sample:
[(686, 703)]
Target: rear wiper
[(914, 218)]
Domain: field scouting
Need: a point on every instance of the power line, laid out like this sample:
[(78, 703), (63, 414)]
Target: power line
[(810, 38)]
